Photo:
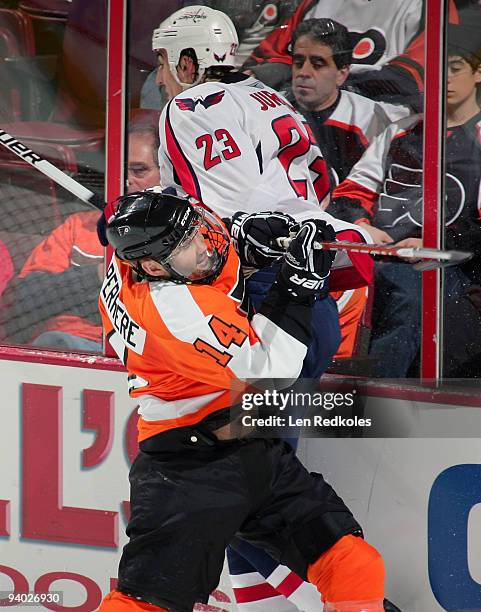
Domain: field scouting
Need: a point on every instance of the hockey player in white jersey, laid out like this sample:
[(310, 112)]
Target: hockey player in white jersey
[(234, 143), (231, 141)]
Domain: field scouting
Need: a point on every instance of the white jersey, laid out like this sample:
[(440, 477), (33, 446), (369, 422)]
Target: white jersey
[(385, 27), (346, 129), (242, 146)]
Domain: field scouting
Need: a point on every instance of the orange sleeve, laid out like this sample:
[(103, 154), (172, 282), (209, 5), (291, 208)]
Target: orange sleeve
[(53, 253)]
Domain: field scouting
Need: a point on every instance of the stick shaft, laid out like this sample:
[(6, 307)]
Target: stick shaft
[(44, 166), (389, 251)]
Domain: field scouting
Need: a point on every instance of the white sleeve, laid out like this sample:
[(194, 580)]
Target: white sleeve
[(370, 170), (412, 20), (224, 342)]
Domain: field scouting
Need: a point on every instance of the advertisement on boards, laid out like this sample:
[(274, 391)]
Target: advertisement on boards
[(67, 439)]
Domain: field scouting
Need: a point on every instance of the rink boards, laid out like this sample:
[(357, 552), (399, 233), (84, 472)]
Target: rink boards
[(68, 436)]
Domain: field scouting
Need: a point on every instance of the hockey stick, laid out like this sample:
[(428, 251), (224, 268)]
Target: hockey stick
[(431, 258), (44, 166)]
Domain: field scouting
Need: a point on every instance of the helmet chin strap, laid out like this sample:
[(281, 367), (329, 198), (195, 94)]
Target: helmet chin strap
[(172, 278)]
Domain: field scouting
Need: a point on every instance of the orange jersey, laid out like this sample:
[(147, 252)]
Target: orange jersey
[(188, 346), (74, 243), (6, 272)]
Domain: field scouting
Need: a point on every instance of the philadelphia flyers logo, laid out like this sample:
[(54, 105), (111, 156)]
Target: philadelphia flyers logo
[(368, 47), (401, 201)]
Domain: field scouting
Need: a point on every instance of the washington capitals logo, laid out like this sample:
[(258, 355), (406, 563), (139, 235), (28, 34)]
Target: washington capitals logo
[(190, 104), (220, 58), (194, 15)]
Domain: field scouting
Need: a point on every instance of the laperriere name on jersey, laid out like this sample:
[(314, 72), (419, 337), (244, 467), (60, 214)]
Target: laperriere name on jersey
[(130, 331)]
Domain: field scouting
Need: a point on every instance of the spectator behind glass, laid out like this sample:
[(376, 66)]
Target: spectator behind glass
[(344, 124), (54, 299), (388, 37), (380, 30), (383, 192), (162, 85)]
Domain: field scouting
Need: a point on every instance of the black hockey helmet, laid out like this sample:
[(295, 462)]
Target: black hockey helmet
[(188, 241)]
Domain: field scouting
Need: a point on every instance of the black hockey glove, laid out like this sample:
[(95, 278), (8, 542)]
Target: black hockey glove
[(305, 270), (254, 236)]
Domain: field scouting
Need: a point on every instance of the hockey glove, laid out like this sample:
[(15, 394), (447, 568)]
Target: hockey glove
[(254, 236), (305, 270)]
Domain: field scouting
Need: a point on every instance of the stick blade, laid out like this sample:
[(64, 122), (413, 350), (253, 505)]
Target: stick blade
[(450, 258)]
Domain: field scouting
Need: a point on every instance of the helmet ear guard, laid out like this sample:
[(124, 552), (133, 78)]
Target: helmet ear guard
[(210, 33)]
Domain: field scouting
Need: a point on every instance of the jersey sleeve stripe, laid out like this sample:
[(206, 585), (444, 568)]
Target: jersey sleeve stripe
[(260, 356), (349, 127), (183, 167), (117, 344), (360, 269), (153, 408)]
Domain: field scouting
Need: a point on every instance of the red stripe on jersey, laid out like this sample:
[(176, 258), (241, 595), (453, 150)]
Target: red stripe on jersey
[(403, 133), (275, 47), (360, 274), (290, 584), (348, 127), (354, 191), (181, 164), (256, 592)]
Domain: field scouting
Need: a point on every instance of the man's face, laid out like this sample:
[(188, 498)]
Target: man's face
[(143, 171), (462, 81), (315, 76)]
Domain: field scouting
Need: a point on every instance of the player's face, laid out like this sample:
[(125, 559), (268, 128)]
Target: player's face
[(315, 76), (462, 81), (143, 171), (193, 259), (201, 253), (162, 67)]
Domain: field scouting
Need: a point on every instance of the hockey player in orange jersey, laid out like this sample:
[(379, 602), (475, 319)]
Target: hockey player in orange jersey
[(171, 305)]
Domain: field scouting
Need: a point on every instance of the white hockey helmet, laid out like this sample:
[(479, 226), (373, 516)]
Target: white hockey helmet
[(210, 33)]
